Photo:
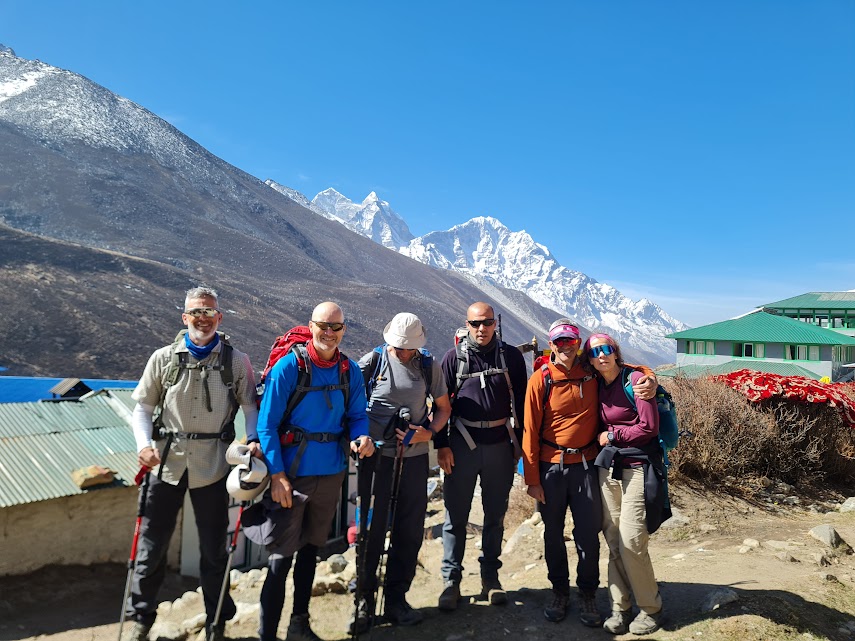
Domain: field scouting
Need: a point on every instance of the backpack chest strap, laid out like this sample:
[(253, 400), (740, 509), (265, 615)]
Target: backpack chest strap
[(295, 436)]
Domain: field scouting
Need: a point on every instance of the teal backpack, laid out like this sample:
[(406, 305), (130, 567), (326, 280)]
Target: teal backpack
[(669, 432)]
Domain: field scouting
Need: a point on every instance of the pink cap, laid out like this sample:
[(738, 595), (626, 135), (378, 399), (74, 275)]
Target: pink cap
[(564, 331)]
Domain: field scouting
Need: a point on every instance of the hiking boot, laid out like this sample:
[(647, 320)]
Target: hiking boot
[(362, 619), (646, 623), (450, 596), (402, 613), (557, 610), (618, 622), (588, 613), (299, 629), (137, 632), (493, 590)]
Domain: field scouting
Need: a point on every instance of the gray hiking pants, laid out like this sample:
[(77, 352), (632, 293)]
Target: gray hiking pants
[(494, 464)]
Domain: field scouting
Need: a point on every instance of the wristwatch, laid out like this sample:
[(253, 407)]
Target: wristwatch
[(611, 437)]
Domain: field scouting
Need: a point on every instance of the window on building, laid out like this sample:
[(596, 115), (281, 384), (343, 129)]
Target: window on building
[(706, 348), (749, 350), (801, 352)]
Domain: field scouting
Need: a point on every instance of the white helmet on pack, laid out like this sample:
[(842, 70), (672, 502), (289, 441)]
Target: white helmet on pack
[(247, 480)]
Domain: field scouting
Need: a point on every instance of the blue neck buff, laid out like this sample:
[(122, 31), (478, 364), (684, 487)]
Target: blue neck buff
[(200, 353)]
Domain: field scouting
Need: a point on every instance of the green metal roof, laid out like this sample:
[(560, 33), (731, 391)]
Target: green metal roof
[(761, 327), (769, 367), (816, 300), (42, 443)]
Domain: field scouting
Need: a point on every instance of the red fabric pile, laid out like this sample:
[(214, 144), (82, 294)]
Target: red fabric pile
[(757, 386)]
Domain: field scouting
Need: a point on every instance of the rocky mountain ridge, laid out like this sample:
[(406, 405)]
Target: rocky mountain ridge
[(108, 213), (485, 248)]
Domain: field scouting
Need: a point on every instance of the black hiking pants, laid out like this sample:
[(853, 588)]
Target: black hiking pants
[(164, 501), (407, 528), (579, 489)]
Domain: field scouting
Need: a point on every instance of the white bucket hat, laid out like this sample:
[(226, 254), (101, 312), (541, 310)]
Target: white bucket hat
[(247, 480), (405, 331)]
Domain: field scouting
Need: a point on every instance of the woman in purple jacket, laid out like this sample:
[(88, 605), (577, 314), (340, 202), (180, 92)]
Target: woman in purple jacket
[(631, 458)]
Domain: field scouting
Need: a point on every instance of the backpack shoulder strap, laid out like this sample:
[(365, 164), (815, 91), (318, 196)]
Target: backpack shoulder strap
[(374, 370), (462, 365), (547, 384), (626, 379), (427, 369), (304, 380), (344, 379)]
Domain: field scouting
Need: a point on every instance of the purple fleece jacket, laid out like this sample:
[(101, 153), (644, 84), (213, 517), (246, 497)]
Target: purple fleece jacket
[(631, 428)]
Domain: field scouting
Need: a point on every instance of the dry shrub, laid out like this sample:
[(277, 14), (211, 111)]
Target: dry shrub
[(799, 443)]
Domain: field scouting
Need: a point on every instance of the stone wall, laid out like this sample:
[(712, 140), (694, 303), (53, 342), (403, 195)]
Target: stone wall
[(94, 527)]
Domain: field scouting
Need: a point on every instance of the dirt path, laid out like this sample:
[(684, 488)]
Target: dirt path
[(777, 599)]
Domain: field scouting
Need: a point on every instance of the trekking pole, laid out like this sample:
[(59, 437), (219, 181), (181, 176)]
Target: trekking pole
[(232, 548), (404, 422), (142, 479), (361, 525)]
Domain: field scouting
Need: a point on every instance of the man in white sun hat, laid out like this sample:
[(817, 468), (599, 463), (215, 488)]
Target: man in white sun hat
[(400, 378)]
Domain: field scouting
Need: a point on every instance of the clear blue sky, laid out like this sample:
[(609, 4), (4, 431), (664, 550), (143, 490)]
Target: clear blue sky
[(701, 154)]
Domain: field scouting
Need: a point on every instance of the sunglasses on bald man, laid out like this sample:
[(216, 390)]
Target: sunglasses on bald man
[(321, 325), (487, 322)]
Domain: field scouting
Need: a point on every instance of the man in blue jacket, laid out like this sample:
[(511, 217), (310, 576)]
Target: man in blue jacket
[(308, 467)]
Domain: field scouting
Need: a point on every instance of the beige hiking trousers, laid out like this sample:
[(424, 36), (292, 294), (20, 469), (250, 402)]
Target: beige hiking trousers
[(625, 529)]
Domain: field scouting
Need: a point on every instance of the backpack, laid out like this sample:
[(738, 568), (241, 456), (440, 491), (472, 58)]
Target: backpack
[(669, 432), (463, 364), (462, 355), (294, 340), (378, 361), (549, 383), (179, 361)]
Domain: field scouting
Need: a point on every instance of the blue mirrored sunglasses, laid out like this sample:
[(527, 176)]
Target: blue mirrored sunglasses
[(605, 350)]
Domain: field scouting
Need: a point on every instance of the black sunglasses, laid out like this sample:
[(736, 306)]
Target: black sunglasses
[(487, 322), (321, 325)]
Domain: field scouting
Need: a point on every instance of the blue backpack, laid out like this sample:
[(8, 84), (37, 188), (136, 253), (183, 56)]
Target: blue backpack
[(378, 362), (669, 432)]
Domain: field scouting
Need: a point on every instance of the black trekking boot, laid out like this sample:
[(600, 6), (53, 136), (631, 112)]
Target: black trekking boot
[(399, 612), (557, 609), (588, 613), (299, 629), (363, 618)]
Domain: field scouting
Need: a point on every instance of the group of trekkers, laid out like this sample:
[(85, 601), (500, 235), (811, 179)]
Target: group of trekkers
[(584, 443)]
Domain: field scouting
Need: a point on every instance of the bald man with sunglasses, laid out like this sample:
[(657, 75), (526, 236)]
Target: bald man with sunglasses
[(486, 379)]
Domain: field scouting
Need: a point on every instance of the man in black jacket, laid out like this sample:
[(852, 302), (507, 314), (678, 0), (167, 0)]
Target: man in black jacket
[(487, 380)]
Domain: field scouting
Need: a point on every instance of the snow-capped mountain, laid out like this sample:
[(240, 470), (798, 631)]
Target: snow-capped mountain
[(485, 247), (373, 218)]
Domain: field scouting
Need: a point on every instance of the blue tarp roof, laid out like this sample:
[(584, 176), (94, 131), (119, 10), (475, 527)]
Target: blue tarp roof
[(26, 389)]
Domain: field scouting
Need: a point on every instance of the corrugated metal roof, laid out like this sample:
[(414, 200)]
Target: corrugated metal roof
[(816, 300), (22, 419), (769, 367), (761, 327), (42, 443)]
